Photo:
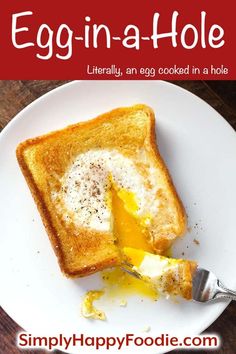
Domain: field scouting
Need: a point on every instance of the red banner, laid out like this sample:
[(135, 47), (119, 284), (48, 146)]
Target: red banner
[(117, 40)]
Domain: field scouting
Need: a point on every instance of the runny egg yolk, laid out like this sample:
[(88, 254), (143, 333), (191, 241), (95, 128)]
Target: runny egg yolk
[(134, 256), (130, 231), (128, 227), (88, 309), (119, 284)]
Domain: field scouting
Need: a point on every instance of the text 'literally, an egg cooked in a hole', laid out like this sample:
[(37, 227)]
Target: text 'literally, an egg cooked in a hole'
[(100, 186)]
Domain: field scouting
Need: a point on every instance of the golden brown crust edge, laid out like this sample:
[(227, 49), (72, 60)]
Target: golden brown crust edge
[(46, 219), (88, 123), (189, 270), (182, 220), (41, 206), (45, 215)]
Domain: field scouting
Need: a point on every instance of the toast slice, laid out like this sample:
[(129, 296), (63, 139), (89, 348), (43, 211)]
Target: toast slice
[(102, 185)]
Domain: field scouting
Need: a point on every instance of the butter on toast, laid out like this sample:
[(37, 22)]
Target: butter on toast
[(102, 185)]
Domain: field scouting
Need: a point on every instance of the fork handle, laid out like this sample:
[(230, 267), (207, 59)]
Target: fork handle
[(223, 292)]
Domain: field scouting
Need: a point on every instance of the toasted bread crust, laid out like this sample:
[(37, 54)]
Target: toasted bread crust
[(162, 243), (50, 229), (54, 227), (187, 269)]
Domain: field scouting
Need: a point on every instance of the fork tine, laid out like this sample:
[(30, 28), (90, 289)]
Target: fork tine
[(128, 268)]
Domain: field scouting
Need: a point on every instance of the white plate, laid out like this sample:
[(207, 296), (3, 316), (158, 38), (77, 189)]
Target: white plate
[(199, 148)]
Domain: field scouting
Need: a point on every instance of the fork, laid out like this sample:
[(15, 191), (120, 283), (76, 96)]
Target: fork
[(207, 287)]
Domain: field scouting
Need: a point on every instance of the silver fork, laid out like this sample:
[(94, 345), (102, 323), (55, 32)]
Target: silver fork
[(207, 287)]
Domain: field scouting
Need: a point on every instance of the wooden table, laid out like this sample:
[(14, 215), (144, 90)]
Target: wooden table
[(15, 95)]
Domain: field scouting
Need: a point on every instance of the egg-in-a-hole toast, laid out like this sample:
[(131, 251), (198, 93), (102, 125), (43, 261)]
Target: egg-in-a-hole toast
[(101, 185)]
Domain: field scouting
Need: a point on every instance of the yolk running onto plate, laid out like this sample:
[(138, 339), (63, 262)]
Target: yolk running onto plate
[(88, 308), (130, 231), (119, 283)]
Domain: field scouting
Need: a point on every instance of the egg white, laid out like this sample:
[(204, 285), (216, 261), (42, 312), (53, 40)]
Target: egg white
[(84, 197)]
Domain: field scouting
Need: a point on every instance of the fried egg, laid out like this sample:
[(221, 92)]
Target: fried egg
[(106, 191)]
